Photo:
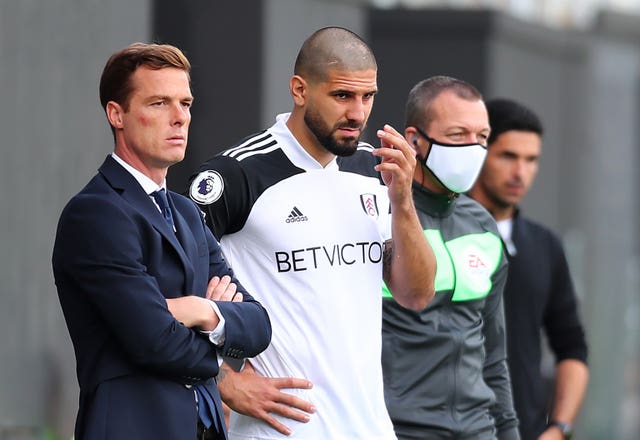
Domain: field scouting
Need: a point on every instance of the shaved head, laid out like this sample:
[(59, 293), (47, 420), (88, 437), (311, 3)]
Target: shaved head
[(333, 48)]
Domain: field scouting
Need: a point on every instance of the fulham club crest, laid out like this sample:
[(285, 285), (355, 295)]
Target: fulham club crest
[(369, 204)]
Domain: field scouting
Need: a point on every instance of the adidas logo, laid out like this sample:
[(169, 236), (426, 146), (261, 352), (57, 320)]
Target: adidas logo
[(296, 216)]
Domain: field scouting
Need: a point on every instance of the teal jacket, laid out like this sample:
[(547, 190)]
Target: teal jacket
[(445, 370)]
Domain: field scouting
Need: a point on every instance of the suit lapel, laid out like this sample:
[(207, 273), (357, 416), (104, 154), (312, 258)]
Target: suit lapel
[(187, 243), (132, 193)]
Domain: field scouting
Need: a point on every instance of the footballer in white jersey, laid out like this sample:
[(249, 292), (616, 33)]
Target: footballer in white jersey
[(308, 242)]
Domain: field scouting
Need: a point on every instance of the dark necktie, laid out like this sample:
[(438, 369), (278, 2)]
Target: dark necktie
[(206, 404), (206, 407), (160, 196)]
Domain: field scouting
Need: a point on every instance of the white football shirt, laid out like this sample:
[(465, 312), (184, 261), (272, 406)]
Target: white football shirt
[(307, 242)]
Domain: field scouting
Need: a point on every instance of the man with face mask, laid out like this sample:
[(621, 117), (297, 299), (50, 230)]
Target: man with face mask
[(445, 370)]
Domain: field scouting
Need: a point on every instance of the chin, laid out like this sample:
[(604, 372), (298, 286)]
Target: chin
[(349, 151), (178, 155), (348, 148), (511, 201), (169, 161)]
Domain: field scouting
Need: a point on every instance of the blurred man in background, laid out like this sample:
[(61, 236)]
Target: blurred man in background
[(539, 293)]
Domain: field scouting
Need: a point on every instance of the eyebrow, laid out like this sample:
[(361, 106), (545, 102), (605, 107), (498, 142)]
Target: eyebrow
[(352, 92), (167, 98)]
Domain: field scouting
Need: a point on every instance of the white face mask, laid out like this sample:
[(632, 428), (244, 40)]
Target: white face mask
[(455, 166)]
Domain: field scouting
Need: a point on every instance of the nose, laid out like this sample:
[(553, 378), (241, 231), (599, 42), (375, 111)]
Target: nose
[(180, 114), (519, 168), (357, 111)]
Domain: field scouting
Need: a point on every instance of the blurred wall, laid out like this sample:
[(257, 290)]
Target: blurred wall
[(608, 223), (54, 137), (583, 83), (223, 41)]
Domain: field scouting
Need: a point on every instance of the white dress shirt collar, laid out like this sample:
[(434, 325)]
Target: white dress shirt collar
[(145, 182)]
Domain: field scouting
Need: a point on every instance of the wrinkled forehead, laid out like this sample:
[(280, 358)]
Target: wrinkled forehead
[(353, 80), (449, 111)]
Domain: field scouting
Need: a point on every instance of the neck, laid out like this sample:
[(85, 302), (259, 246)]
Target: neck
[(157, 174), (502, 213), (498, 211)]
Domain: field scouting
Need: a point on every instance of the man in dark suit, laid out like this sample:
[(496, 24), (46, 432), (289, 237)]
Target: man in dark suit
[(149, 301)]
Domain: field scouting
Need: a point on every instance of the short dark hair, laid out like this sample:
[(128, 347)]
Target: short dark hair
[(115, 82), (418, 108), (507, 114), (333, 48)]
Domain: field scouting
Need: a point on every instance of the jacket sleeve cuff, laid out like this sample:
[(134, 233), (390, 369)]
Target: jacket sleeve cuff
[(217, 335)]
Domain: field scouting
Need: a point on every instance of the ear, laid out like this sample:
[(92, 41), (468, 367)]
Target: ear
[(411, 135), (114, 114), (298, 88)]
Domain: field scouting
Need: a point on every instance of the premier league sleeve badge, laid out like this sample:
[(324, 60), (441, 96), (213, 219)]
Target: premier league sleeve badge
[(207, 187)]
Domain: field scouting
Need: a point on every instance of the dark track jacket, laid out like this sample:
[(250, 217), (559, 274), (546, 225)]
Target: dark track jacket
[(445, 370)]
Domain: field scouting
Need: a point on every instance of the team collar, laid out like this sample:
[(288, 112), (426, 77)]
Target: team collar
[(292, 148)]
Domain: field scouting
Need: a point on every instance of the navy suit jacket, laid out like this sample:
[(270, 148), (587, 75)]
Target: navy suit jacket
[(115, 260)]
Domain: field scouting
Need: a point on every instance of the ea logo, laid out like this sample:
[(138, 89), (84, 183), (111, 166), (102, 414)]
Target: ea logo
[(476, 262)]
